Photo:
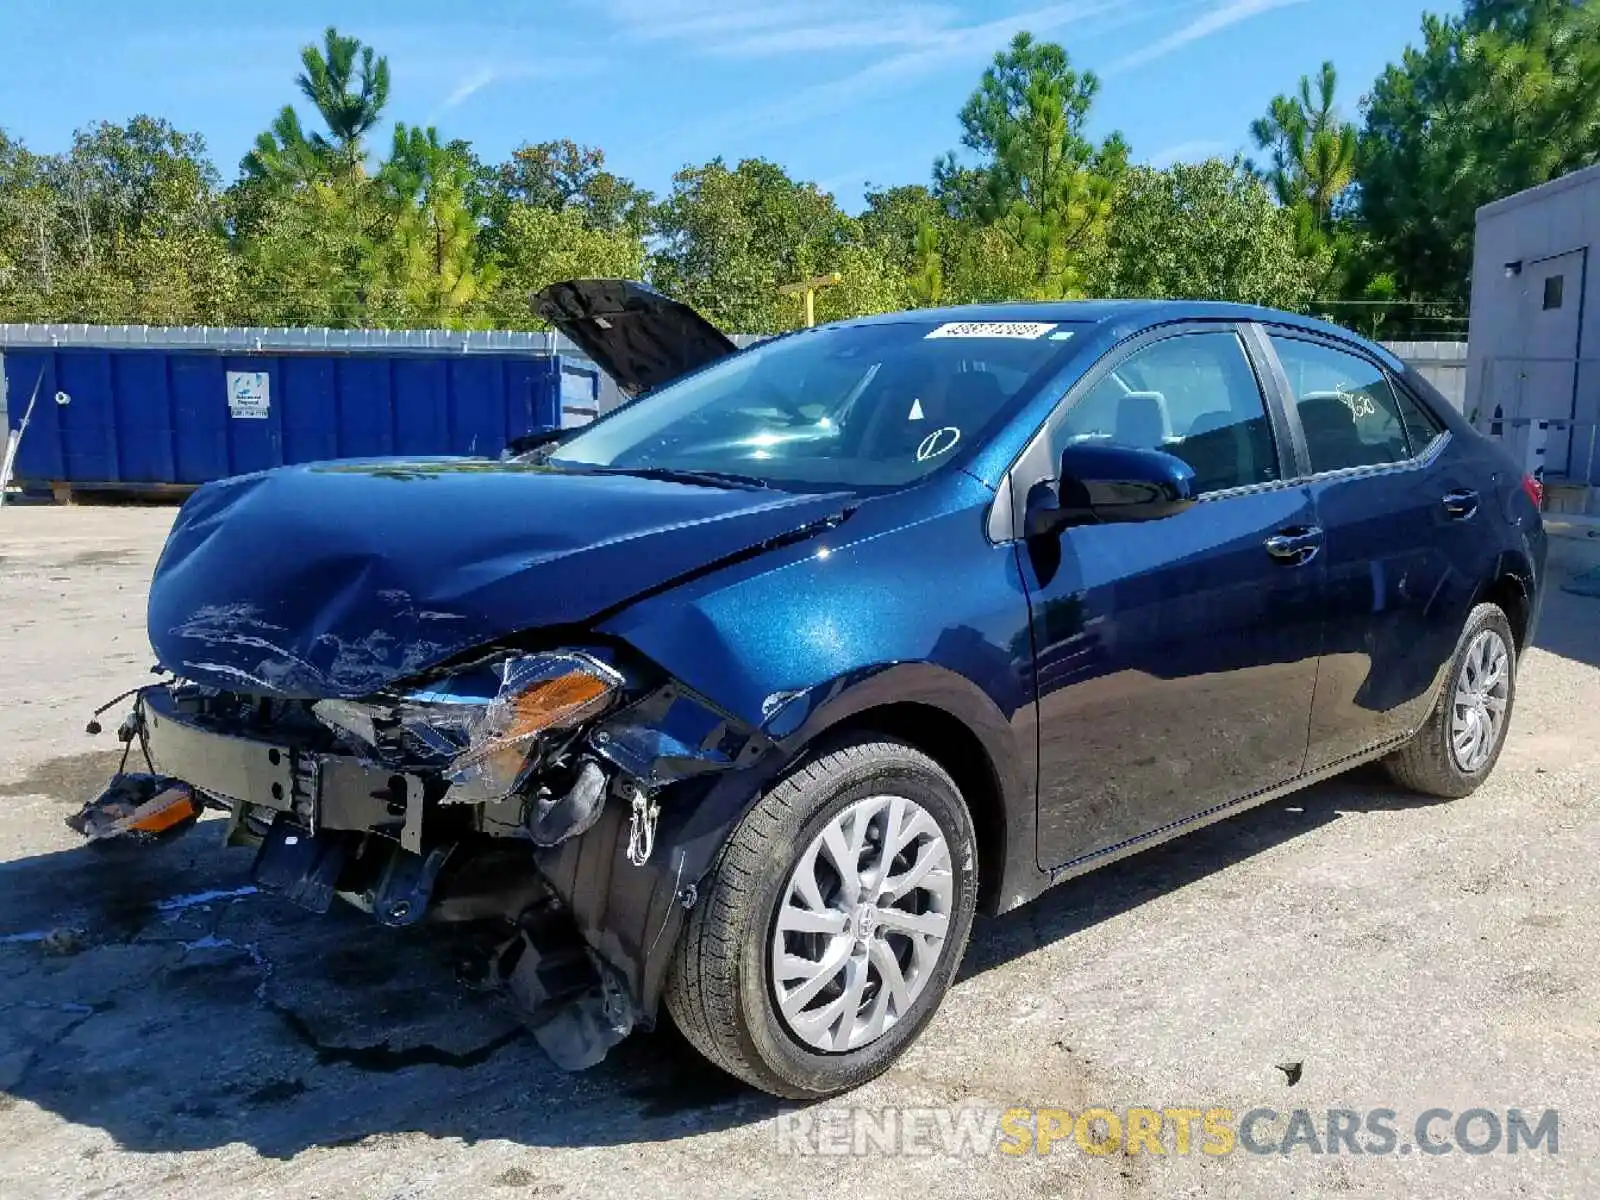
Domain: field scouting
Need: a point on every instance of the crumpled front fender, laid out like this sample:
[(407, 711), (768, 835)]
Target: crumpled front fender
[(633, 914)]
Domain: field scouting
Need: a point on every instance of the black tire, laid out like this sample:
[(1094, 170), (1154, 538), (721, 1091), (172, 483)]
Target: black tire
[(719, 991), (1427, 763)]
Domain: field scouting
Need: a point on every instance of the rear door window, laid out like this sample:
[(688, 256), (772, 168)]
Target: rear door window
[(1347, 407)]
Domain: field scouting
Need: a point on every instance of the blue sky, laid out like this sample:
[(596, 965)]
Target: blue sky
[(842, 92)]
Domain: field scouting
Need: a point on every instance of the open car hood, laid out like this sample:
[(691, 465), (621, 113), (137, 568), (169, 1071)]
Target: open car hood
[(339, 579), (634, 334)]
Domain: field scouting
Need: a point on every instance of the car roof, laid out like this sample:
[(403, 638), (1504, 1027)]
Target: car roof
[(1137, 314)]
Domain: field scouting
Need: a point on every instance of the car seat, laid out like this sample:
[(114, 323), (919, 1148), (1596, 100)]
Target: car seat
[(1142, 420), (1331, 433)]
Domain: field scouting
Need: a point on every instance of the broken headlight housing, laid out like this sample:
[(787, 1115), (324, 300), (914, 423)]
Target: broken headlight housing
[(488, 728)]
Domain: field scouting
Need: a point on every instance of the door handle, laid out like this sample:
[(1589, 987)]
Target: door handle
[(1460, 505), (1296, 546)]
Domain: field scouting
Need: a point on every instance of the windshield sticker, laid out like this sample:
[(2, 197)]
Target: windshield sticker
[(940, 441), (916, 410), (1062, 335), (993, 329)]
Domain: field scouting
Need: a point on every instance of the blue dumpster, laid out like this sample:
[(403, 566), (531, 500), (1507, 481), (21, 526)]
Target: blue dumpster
[(152, 413)]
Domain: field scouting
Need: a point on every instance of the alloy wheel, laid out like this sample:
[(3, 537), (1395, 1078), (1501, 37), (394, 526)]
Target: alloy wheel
[(1483, 691), (862, 922)]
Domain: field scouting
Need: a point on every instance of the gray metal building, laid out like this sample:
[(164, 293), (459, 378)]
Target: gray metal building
[(1533, 370)]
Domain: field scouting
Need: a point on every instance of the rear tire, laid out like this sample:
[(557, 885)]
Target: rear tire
[(739, 985), (1460, 742)]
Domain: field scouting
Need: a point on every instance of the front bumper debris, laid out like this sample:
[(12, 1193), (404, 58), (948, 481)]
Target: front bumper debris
[(571, 864), (258, 779), (144, 807)]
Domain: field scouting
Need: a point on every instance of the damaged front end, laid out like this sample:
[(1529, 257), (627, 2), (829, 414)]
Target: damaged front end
[(527, 788)]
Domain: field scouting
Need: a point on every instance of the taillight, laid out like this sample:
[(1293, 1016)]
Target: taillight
[(1534, 489)]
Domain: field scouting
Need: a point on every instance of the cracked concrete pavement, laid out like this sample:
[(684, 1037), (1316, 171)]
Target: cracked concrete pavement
[(166, 1031)]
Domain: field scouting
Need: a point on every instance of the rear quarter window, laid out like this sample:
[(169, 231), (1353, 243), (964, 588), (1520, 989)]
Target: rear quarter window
[(1422, 427)]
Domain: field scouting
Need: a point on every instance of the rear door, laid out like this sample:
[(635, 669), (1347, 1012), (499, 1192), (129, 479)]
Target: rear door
[(1398, 508), (1174, 659)]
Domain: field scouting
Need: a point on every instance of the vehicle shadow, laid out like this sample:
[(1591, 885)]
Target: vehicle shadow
[(1570, 626), (1081, 903)]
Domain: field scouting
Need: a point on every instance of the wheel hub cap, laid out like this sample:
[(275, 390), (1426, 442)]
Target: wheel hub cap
[(866, 921), (1478, 709), (862, 923)]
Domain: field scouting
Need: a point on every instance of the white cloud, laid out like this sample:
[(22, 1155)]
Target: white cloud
[(1188, 152), (771, 28), (762, 27), (469, 87), (952, 46), (1221, 16)]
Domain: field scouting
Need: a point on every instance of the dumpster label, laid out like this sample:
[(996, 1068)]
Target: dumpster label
[(249, 394)]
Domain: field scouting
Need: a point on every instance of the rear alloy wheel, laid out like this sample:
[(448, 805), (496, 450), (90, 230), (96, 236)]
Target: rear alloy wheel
[(835, 918), (1479, 706), (1460, 742)]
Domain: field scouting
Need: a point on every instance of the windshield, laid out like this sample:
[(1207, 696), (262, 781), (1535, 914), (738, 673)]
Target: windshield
[(867, 406)]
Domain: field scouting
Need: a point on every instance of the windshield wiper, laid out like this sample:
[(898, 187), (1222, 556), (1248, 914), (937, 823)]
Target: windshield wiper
[(728, 479)]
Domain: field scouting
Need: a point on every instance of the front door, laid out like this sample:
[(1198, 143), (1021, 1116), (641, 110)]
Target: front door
[(1174, 659)]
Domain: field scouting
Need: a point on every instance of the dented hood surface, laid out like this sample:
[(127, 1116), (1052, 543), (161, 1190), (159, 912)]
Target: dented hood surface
[(337, 579)]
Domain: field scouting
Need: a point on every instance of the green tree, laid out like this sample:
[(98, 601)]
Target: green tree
[(1503, 97), (894, 218), (28, 234), (1040, 180), (562, 174), (984, 263), (431, 252), (348, 84), (310, 255), (125, 226), (869, 283), (1207, 230), (908, 228), (728, 238), (1313, 148), (540, 246), (926, 279)]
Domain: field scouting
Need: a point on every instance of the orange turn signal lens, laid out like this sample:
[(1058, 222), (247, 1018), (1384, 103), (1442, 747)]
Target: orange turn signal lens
[(181, 807), (559, 701), (524, 709)]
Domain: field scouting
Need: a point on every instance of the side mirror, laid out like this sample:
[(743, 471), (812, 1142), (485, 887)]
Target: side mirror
[(1102, 483)]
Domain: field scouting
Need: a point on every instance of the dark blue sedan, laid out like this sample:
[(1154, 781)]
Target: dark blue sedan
[(749, 695)]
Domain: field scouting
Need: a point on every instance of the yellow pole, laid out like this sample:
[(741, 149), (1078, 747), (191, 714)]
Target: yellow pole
[(807, 290)]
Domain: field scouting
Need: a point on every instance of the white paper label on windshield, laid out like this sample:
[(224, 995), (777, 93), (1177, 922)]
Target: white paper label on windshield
[(993, 329)]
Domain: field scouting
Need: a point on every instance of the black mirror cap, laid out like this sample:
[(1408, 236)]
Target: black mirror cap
[(1102, 483)]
